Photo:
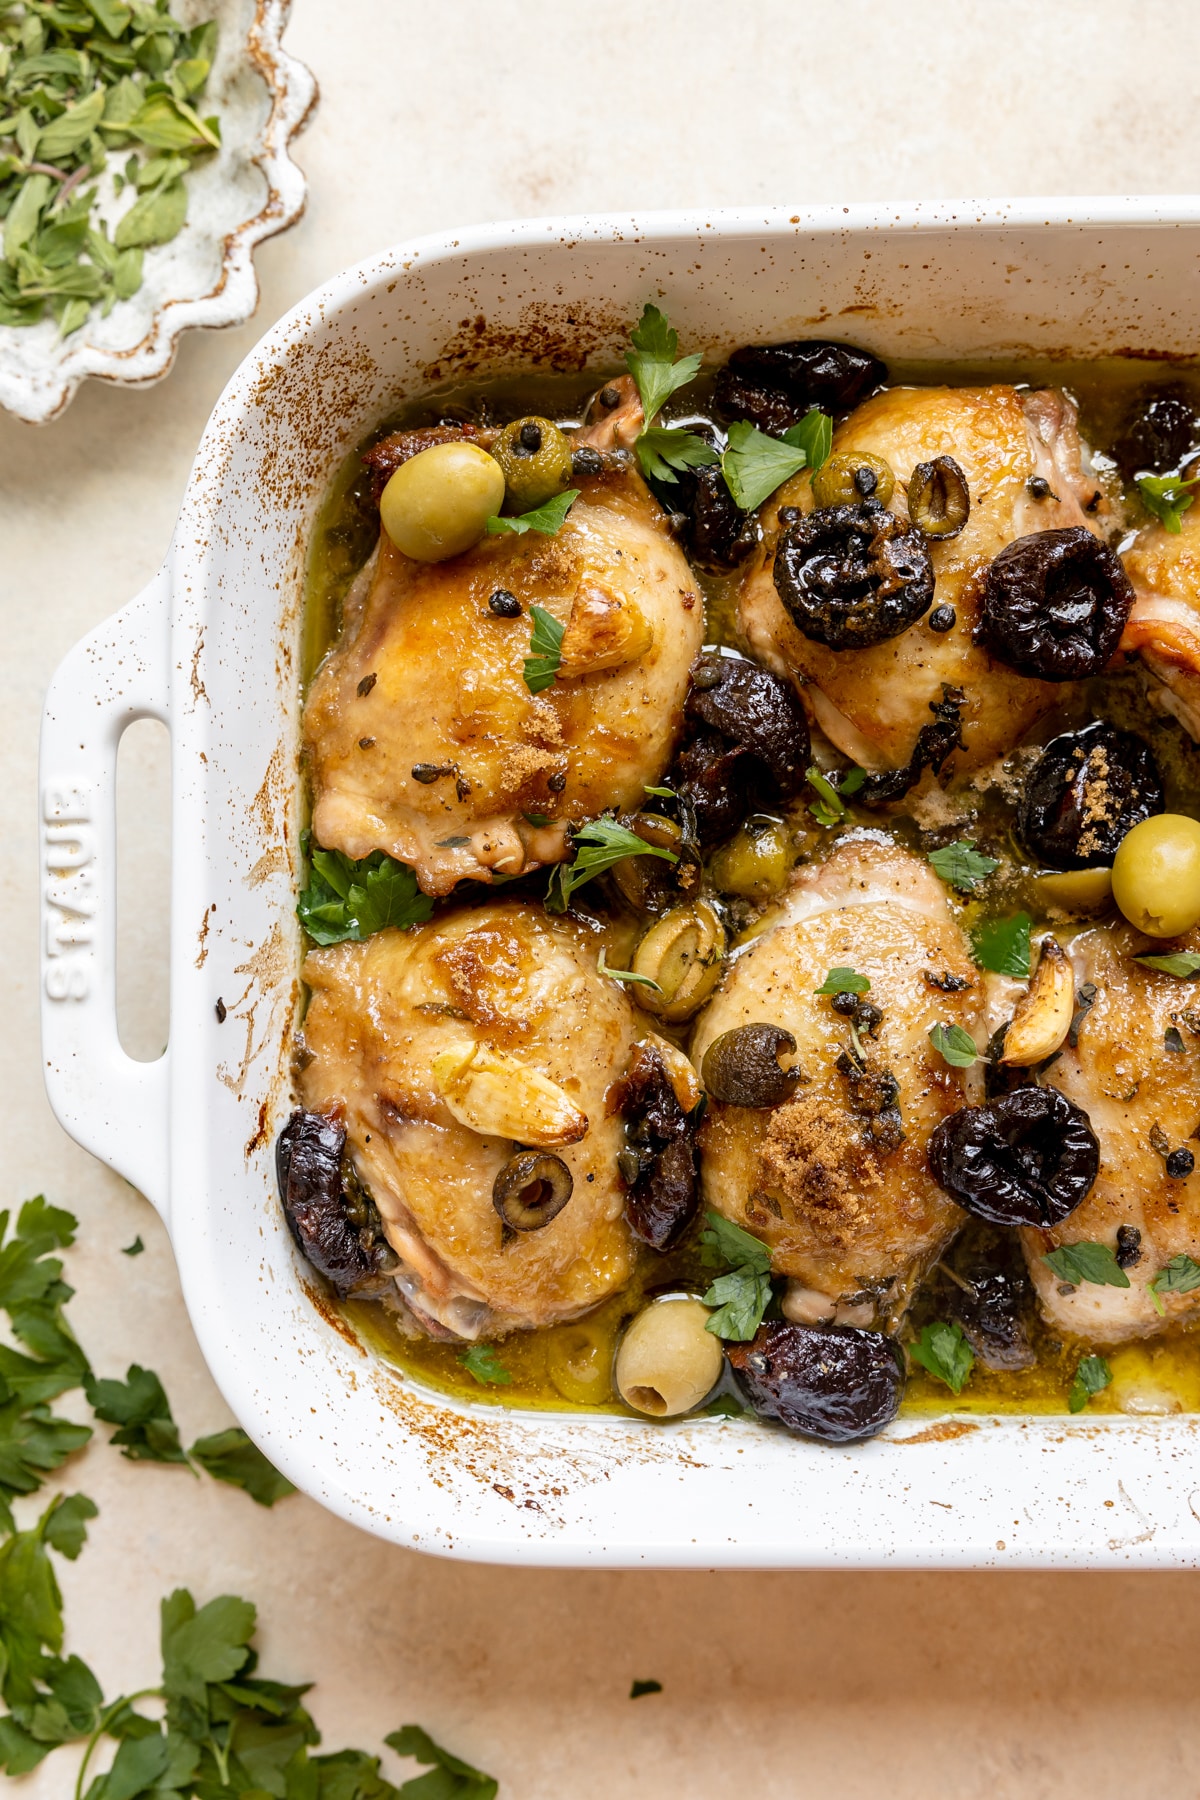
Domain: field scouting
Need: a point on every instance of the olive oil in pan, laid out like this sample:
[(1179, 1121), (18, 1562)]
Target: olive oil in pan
[(570, 1366)]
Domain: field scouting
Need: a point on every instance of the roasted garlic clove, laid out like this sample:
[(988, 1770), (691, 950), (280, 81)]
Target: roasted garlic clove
[(498, 1096), (604, 631), (1044, 1013), (680, 1071)]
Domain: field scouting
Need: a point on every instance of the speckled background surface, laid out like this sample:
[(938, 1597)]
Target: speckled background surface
[(997, 1686)]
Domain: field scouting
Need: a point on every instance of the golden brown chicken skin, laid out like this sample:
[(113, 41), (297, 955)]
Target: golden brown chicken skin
[(872, 702), (852, 1215), (421, 735), (1164, 626)]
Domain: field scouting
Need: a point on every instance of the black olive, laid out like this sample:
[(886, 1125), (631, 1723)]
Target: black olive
[(1055, 604), (741, 1067), (1085, 791), (807, 373), (850, 576), (1028, 1158), (504, 604), (333, 1220), (982, 1283), (832, 1383), (756, 711), (943, 618), (658, 1164), (531, 1189), (939, 502), (1163, 431)]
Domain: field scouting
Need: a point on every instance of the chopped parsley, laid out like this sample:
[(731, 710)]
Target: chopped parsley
[(1091, 1378), (547, 518), (349, 901), (654, 364), (665, 451), (1167, 497), (944, 1352), (961, 865), (1003, 946), (742, 1296), (1082, 1262), (481, 1361), (955, 1046), (545, 650), (1183, 963), (598, 845), (844, 981)]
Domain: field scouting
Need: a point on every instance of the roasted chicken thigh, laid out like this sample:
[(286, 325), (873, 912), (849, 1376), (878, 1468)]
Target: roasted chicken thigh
[(1164, 626)]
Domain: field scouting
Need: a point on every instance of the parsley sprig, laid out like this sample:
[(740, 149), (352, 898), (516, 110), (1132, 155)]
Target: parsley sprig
[(829, 808), (147, 1432), (743, 1294), (1181, 1276), (844, 981), (1183, 963), (663, 451), (545, 650), (1002, 945), (955, 1045), (755, 464), (347, 900), (481, 1361), (961, 866), (944, 1352), (598, 845), (1167, 497), (546, 519)]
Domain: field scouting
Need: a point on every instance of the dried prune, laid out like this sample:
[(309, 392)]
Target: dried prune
[(771, 409), (658, 1163), (1055, 604), (754, 709), (982, 1284), (1086, 790), (934, 744), (850, 576), (833, 1382), (714, 780), (719, 534), (810, 371), (1028, 1158), (1162, 432), (333, 1220)]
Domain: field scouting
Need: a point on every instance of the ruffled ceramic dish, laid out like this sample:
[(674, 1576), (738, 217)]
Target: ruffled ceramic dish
[(248, 191)]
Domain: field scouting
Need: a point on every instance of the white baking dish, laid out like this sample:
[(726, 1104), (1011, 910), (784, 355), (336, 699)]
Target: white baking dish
[(211, 648)]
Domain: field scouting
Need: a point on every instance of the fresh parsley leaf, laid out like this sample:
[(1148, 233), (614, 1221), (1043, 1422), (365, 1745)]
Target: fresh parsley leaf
[(945, 1353), (725, 1407), (754, 465), (202, 1645), (134, 1249), (31, 1622), (652, 362), (961, 865), (547, 518), (1091, 1378), (1003, 946), (139, 1406), (1096, 1263), (664, 452), (1180, 1276), (349, 901), (33, 1443), (598, 845), (545, 650), (814, 435), (955, 1046), (450, 1778), (1167, 497), (830, 808), (725, 1242), (844, 981), (638, 1688), (742, 1296), (481, 1361), (231, 1456), (1184, 963)]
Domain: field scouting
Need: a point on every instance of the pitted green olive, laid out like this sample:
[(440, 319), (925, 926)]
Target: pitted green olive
[(650, 884), (851, 477), (437, 503), (579, 1362), (668, 1362), (535, 460), (682, 955), (939, 501), (755, 862), (1156, 875)]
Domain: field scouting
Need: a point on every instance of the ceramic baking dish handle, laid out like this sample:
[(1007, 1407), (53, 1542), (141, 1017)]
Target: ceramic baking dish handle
[(113, 1106)]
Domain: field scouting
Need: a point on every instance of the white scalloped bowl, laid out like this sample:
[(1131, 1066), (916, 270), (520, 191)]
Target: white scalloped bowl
[(249, 190), (211, 647)]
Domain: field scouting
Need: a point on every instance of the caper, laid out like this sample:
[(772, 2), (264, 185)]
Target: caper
[(668, 1361), (682, 955), (535, 459), (1156, 875), (531, 1189), (939, 502), (437, 504), (851, 477), (755, 862), (741, 1067)]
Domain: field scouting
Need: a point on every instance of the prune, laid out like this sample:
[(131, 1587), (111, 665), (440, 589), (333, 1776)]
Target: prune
[(757, 711), (1086, 790), (1163, 431), (983, 1285), (1055, 604), (810, 371), (333, 1220), (741, 1067), (1028, 1158), (714, 780), (658, 1164), (834, 1382), (850, 576), (719, 534), (737, 396)]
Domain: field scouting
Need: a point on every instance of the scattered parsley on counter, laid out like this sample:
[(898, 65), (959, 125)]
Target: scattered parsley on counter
[(134, 1249), (945, 1353), (1082, 1262), (462, 1783), (1183, 963), (140, 1408), (639, 1688), (844, 981), (743, 1295), (348, 900), (547, 518), (1091, 1378), (1167, 497), (955, 1046), (961, 865), (1003, 946), (598, 845), (231, 1456), (545, 650), (481, 1361)]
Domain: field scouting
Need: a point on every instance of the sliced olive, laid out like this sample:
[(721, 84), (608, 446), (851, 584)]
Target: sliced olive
[(741, 1067), (531, 1189), (1055, 604), (681, 954), (852, 476), (850, 576), (535, 460), (1085, 792), (1027, 1158), (834, 1382), (939, 503), (651, 884)]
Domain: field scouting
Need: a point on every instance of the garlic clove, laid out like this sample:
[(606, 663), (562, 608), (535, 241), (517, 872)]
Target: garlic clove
[(604, 631), (1044, 1013), (496, 1095)]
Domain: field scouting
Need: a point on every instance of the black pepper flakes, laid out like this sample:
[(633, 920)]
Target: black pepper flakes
[(365, 685)]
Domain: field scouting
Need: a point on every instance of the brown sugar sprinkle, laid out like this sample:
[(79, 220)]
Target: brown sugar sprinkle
[(1096, 809), (814, 1159)]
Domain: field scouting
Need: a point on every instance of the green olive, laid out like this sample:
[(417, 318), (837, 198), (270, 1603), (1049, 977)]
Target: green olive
[(682, 955), (535, 460), (668, 1362), (579, 1361), (755, 862), (1156, 875), (437, 503), (1078, 890), (851, 477)]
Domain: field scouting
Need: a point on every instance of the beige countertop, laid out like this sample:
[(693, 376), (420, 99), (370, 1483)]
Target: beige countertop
[(914, 1684)]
